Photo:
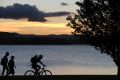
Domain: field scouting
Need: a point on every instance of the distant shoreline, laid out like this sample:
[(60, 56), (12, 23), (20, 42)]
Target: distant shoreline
[(20, 39)]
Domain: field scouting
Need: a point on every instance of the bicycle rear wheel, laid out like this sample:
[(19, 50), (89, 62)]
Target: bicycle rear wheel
[(46, 72), (29, 73)]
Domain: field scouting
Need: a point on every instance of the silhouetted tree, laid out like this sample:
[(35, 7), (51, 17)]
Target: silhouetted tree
[(99, 21)]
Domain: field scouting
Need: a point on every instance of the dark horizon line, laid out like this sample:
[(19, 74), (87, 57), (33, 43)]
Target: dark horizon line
[(15, 38), (34, 34)]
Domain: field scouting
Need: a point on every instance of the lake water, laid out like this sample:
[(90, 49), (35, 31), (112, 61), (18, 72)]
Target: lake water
[(62, 59)]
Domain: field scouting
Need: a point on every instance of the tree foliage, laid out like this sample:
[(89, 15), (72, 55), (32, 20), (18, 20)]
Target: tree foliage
[(99, 21)]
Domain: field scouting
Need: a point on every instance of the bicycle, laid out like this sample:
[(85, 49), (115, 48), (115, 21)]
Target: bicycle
[(42, 71)]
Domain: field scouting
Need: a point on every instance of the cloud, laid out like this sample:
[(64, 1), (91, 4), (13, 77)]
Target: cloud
[(64, 4), (54, 14), (17, 11)]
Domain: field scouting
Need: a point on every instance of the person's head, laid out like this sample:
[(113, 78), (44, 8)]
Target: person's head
[(12, 57), (40, 56), (36, 56), (7, 54)]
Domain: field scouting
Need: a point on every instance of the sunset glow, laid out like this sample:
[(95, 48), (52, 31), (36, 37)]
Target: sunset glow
[(39, 28), (25, 22), (54, 24), (29, 24)]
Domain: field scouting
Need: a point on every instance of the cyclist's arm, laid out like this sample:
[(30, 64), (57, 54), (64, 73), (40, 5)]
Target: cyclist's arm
[(42, 63)]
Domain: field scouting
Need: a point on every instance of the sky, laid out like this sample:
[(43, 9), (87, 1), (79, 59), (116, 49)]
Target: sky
[(40, 17)]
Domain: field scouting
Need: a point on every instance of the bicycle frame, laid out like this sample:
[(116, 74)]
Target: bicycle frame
[(41, 70)]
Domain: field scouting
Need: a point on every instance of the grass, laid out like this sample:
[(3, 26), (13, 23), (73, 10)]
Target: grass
[(62, 77)]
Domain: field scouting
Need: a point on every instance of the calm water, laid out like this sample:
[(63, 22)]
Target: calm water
[(62, 59)]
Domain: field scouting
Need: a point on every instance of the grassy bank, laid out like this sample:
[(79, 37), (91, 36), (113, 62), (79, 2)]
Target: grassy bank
[(63, 77)]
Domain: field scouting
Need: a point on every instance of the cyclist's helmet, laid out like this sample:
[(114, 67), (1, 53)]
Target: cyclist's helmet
[(40, 56)]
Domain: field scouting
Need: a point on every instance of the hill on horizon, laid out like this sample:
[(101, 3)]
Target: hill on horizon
[(7, 38)]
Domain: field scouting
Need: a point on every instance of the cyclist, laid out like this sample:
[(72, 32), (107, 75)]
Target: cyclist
[(34, 62)]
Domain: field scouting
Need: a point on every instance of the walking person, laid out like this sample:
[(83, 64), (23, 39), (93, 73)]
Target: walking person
[(11, 65), (4, 63)]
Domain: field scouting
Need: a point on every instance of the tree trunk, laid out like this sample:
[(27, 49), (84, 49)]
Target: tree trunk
[(117, 62), (118, 73)]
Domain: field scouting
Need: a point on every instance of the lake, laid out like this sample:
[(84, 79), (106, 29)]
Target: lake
[(62, 59)]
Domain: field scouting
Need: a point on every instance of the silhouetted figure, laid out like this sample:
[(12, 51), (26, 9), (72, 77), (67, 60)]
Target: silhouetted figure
[(4, 63), (11, 65), (34, 62)]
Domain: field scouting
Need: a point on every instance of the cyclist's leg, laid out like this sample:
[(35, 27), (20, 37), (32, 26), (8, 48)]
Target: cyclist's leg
[(35, 69), (38, 68)]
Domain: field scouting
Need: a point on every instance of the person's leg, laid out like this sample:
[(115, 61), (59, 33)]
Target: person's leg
[(34, 67), (3, 70), (12, 71), (7, 69), (37, 69)]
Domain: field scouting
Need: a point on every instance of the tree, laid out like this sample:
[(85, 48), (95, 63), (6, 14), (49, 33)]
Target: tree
[(99, 22)]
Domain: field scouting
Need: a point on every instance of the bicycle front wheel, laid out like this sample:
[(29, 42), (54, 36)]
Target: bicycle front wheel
[(29, 73), (46, 72)]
